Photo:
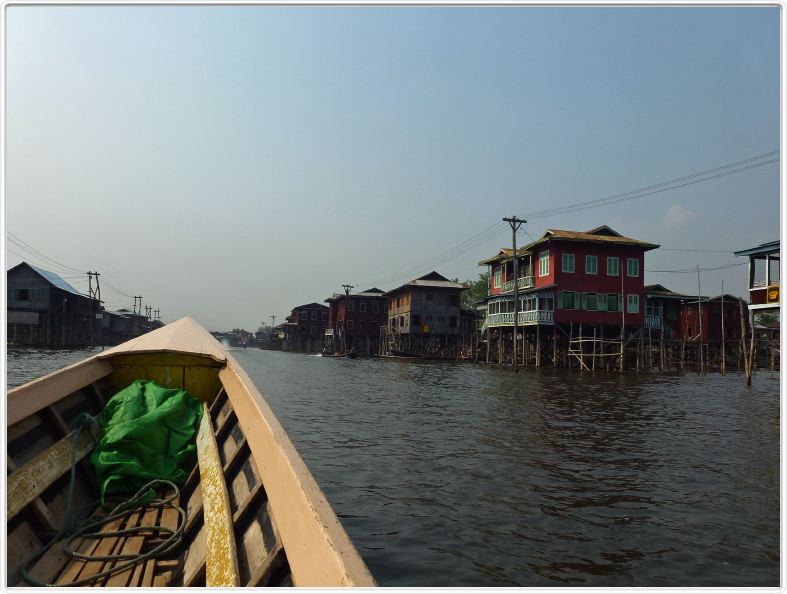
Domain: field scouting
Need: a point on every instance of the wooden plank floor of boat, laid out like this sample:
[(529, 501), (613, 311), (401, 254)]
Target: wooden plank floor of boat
[(259, 558)]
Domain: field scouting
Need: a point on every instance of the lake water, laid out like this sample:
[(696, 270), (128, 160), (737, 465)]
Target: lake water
[(449, 474)]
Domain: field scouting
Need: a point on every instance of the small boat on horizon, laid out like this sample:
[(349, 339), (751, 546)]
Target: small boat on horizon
[(249, 514), (351, 354)]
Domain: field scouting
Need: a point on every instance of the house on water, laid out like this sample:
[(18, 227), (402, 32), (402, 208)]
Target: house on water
[(354, 321), (424, 318), (573, 286), (764, 282), (44, 310), (305, 328)]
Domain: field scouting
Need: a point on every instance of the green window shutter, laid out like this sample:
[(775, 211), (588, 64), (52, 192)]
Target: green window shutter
[(584, 300), (560, 299), (602, 301)]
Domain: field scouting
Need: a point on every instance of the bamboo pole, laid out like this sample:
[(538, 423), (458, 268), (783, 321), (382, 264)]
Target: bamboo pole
[(746, 356)]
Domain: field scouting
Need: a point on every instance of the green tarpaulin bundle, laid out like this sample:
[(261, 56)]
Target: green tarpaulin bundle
[(148, 432)]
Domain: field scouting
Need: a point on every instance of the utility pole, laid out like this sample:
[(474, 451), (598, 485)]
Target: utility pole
[(273, 322), (344, 320), (95, 298), (158, 314), (699, 316), (135, 304), (515, 224)]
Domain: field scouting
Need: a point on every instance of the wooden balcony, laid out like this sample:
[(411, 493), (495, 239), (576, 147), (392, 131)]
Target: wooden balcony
[(524, 282), (526, 318), (653, 322)]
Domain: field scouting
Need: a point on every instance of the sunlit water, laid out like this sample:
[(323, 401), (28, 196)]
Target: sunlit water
[(461, 474)]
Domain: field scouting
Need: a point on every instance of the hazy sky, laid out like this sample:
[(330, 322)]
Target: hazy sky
[(230, 163)]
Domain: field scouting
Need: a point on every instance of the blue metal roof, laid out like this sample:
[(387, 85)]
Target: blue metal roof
[(56, 280), (772, 247)]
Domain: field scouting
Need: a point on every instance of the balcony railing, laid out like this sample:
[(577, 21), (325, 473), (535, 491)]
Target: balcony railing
[(524, 282), (538, 316), (653, 322)]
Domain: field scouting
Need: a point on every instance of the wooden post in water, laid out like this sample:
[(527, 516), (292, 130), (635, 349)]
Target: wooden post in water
[(746, 355), (723, 363), (594, 349), (622, 323), (700, 358), (538, 345)]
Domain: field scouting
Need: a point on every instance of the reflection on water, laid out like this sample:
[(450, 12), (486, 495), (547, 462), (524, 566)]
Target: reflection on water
[(458, 474)]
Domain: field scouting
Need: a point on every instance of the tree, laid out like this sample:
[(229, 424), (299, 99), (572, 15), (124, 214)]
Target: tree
[(476, 291)]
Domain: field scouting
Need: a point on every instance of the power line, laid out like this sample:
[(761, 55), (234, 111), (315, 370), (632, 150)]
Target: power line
[(660, 187), (474, 241), (696, 250), (693, 270), (30, 249)]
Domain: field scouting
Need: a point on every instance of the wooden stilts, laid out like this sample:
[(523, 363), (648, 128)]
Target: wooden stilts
[(594, 349), (538, 345)]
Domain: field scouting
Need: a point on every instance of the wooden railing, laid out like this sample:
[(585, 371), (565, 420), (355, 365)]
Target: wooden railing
[(524, 282), (539, 316), (653, 322)]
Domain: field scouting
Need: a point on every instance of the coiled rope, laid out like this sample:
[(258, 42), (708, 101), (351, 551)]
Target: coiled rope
[(69, 531)]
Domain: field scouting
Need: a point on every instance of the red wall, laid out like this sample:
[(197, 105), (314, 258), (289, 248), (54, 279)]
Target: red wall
[(581, 282)]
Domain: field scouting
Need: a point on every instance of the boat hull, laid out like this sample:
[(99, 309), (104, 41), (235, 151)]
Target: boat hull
[(261, 520)]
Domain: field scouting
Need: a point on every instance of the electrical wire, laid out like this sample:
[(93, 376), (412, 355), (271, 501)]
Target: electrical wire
[(31, 250), (660, 187), (694, 270)]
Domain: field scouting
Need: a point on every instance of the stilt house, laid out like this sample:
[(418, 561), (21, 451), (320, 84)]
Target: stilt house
[(424, 317), (354, 321), (572, 283)]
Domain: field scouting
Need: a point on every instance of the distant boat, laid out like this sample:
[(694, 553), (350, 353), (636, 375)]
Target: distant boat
[(252, 514), (351, 354)]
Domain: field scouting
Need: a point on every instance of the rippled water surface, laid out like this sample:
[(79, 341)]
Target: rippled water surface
[(457, 474)]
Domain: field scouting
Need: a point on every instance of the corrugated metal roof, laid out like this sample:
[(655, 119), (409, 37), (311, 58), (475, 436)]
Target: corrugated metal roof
[(593, 237), (771, 247), (56, 280), (433, 279), (602, 234)]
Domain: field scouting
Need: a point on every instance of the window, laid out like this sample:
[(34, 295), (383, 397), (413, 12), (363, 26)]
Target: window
[(314, 315), (591, 301), (362, 307), (632, 268), (23, 294), (568, 262), (569, 300), (543, 264), (612, 302), (303, 315), (314, 329), (324, 316), (350, 324), (351, 305), (498, 277), (613, 266), (545, 303), (633, 304), (591, 264), (375, 307), (602, 301)]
